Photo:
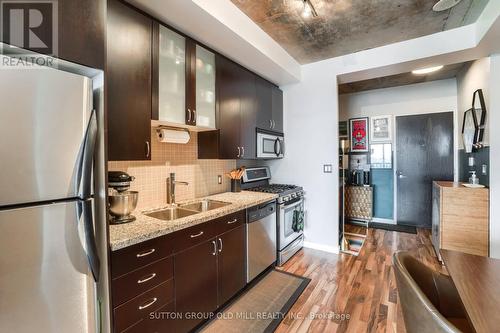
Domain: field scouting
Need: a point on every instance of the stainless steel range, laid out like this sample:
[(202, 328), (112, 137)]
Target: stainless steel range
[(290, 204)]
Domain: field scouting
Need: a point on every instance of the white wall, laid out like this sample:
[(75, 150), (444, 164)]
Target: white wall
[(494, 117), (311, 125), (474, 76)]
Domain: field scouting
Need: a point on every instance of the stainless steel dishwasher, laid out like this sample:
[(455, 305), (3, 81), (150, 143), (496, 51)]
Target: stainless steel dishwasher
[(261, 238)]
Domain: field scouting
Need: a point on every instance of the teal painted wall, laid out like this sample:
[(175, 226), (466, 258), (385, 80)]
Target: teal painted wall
[(383, 193)]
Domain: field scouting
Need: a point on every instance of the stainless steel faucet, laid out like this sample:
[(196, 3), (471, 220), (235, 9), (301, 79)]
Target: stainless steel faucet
[(171, 188)]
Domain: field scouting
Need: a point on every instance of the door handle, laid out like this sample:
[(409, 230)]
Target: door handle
[(215, 248), (148, 149), (84, 182), (85, 211), (400, 175), (220, 243)]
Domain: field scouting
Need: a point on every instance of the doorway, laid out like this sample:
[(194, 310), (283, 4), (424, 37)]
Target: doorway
[(424, 153)]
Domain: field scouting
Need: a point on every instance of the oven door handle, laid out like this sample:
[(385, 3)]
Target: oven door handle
[(295, 204)]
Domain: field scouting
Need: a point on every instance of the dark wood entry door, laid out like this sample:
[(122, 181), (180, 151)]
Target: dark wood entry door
[(424, 153)]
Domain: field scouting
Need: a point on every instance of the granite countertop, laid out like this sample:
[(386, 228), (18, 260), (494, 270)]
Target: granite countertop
[(145, 227)]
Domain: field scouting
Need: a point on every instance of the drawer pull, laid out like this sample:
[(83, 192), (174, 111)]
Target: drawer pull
[(148, 304), (197, 235), (146, 279), (233, 221), (146, 253)]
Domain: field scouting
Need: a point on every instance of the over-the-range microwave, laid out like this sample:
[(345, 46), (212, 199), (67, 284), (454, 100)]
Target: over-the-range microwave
[(270, 145)]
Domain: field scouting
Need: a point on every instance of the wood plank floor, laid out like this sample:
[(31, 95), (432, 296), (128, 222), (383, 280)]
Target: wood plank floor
[(362, 287)]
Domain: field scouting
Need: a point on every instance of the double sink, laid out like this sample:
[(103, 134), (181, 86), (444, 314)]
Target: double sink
[(180, 211)]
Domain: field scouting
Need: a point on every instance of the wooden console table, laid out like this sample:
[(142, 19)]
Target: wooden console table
[(460, 218)]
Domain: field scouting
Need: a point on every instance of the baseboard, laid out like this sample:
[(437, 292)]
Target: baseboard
[(321, 247), (387, 221)]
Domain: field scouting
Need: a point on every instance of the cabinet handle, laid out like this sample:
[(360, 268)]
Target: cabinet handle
[(233, 221), (242, 151), (274, 124), (239, 152), (189, 116), (194, 116), (144, 254), (220, 243), (146, 279), (197, 235), (148, 149), (215, 248), (270, 123), (148, 304)]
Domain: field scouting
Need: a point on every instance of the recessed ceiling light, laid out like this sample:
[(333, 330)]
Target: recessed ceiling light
[(442, 5), (427, 70)]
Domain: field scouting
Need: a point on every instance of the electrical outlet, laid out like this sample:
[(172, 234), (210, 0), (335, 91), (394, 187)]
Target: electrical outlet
[(327, 168), (219, 179)]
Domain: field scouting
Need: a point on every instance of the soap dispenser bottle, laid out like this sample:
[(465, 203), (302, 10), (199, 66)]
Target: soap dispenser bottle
[(473, 179)]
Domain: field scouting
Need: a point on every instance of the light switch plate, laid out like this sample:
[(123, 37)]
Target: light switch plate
[(484, 169), (327, 168)]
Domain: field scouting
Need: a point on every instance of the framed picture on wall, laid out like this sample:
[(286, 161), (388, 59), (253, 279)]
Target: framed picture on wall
[(359, 134), (381, 129)]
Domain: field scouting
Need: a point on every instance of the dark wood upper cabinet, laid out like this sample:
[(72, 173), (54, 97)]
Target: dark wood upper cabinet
[(128, 75), (80, 32), (264, 104), (245, 102), (82, 27), (248, 114), (185, 81), (236, 114), (231, 263), (229, 106), (195, 283), (277, 109)]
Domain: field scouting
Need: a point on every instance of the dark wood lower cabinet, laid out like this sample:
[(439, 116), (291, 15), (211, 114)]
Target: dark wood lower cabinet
[(175, 282), (231, 263), (195, 284)]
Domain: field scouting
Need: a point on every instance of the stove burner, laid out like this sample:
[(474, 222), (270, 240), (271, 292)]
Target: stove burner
[(273, 188)]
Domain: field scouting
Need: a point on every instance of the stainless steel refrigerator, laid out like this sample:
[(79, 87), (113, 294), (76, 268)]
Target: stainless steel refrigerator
[(52, 239)]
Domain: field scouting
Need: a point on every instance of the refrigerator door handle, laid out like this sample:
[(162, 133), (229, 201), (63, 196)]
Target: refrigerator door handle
[(84, 181), (85, 213)]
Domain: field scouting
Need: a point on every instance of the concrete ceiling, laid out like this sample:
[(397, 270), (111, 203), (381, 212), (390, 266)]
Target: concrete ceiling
[(347, 26), (448, 72)]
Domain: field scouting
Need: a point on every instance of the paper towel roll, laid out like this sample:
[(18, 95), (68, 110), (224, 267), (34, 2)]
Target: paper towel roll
[(172, 135)]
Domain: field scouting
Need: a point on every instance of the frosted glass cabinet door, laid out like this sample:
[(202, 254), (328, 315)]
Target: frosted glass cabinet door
[(205, 88), (172, 77)]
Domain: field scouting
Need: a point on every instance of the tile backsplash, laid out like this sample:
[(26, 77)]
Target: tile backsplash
[(151, 176)]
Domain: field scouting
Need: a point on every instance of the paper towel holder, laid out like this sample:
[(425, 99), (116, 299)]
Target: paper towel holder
[(171, 128)]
